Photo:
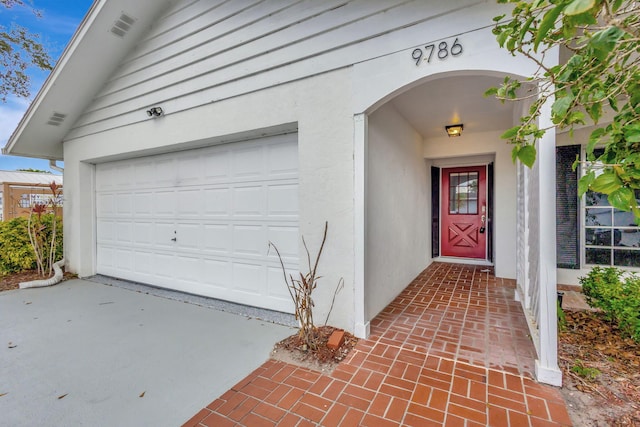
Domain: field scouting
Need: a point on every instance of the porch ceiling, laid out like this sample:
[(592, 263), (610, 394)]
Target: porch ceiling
[(451, 100)]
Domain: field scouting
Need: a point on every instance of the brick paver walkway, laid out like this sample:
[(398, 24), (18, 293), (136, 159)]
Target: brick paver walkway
[(452, 349)]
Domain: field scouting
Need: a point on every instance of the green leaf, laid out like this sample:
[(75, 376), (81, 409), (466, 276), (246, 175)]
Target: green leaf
[(613, 103), (560, 107), (594, 139), (606, 183), (622, 198), (548, 22), (585, 182), (616, 5), (603, 42), (491, 91), (510, 133), (577, 7), (502, 37), (527, 155), (632, 133), (525, 28)]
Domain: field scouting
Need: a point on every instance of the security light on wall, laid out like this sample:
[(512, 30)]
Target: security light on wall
[(454, 130), (155, 112)]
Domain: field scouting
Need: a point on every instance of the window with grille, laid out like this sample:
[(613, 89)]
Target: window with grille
[(463, 193), (611, 236)]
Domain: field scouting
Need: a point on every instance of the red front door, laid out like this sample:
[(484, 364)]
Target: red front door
[(464, 212)]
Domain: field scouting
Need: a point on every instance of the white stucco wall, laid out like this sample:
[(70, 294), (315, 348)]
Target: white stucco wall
[(455, 151), (398, 225), (318, 108)]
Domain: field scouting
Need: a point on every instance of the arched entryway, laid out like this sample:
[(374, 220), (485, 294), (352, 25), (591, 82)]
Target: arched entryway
[(422, 190), (430, 196)]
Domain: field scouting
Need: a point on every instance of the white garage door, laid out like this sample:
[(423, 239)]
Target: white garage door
[(200, 221)]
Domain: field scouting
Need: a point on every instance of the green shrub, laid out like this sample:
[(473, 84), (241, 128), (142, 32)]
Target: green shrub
[(16, 252), (618, 295)]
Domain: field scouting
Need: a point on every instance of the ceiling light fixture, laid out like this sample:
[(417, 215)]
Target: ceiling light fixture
[(454, 130)]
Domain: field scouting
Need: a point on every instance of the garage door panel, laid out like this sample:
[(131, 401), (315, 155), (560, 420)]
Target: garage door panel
[(217, 202), (248, 163), (190, 203), (248, 278), (166, 174), (217, 239), (143, 263), (163, 235), (217, 273), (188, 236), (164, 203), (249, 240), (105, 259), (123, 260), (124, 232), (124, 204), (105, 181), (143, 204), (189, 170), (282, 200), (249, 201), (189, 269), (221, 204), (276, 286), (105, 204), (282, 161), (164, 265), (143, 233), (105, 232), (144, 174), (123, 176), (217, 166)]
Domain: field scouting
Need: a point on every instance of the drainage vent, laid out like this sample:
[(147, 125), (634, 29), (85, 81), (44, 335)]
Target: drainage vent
[(56, 119), (122, 25)]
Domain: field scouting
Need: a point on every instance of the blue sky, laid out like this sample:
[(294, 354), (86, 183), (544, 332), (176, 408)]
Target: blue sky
[(60, 19)]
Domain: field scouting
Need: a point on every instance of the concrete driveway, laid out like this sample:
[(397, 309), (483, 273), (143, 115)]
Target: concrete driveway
[(84, 353)]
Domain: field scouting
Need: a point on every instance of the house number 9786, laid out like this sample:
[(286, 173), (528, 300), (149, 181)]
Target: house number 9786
[(440, 50)]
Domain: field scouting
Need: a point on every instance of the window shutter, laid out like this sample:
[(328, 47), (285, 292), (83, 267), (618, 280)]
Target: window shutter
[(567, 208)]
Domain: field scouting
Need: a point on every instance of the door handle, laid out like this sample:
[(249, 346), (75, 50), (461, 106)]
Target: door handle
[(174, 239), (483, 219)]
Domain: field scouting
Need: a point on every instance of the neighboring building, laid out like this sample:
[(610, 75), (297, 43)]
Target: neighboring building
[(195, 132), (19, 191)]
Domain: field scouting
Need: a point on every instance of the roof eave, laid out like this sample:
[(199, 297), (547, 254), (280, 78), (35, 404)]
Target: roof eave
[(85, 24)]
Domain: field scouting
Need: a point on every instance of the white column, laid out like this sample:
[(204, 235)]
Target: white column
[(547, 370), (360, 139)]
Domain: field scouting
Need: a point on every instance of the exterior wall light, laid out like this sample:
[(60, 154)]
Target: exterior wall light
[(454, 130), (155, 112)]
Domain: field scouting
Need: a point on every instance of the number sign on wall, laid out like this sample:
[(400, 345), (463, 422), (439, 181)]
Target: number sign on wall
[(442, 51)]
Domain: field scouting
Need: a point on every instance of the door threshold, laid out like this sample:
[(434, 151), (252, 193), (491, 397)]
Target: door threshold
[(469, 261)]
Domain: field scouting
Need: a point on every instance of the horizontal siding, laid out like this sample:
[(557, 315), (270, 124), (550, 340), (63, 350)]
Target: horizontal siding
[(206, 51)]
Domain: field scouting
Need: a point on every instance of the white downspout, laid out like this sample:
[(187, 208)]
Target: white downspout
[(57, 277)]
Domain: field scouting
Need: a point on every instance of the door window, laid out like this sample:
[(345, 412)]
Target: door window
[(463, 193)]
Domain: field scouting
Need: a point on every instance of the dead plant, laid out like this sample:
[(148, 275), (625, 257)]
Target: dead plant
[(301, 289)]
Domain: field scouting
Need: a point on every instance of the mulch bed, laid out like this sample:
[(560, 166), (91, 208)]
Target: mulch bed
[(589, 343), (320, 356)]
